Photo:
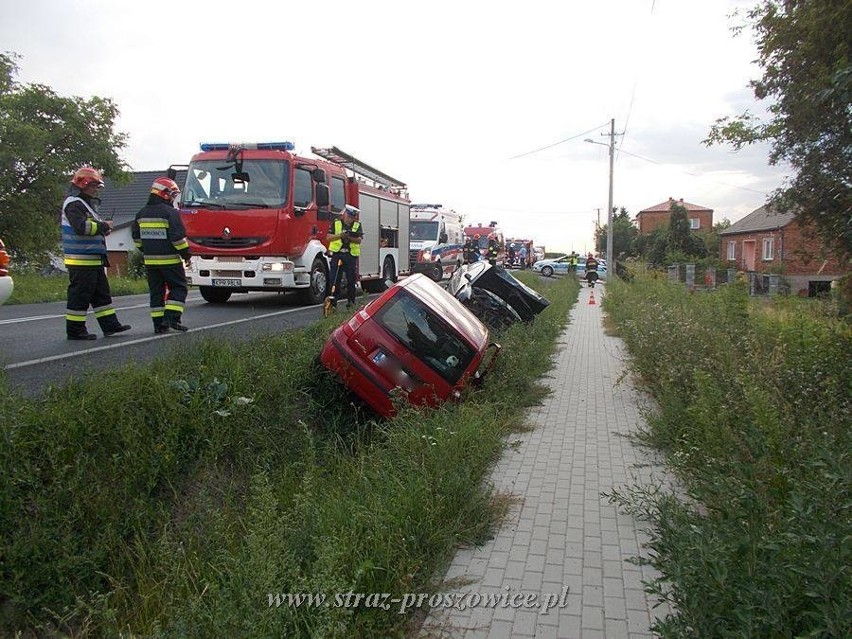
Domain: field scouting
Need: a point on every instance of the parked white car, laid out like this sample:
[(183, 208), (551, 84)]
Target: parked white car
[(7, 285)]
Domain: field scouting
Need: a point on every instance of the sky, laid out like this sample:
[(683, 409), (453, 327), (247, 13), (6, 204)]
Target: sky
[(483, 107)]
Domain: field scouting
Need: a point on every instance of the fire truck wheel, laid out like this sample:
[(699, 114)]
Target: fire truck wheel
[(317, 291), (215, 295), (388, 278)]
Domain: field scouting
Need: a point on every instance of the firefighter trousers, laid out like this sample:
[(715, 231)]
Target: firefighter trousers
[(167, 288), (89, 286)]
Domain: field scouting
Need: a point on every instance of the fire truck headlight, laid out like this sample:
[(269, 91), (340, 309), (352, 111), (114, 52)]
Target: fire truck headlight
[(273, 266)]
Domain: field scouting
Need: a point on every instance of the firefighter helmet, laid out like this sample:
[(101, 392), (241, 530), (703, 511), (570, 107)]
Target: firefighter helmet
[(86, 176), (476, 236), (165, 188)]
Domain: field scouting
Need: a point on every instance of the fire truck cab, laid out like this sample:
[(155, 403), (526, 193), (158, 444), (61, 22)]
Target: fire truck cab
[(486, 233), (257, 214)]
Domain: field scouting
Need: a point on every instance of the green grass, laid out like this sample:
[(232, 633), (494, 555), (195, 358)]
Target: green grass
[(174, 498), (33, 288), (754, 419)]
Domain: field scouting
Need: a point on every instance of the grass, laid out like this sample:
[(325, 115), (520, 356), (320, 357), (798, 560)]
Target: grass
[(753, 415), (34, 288), (179, 499)]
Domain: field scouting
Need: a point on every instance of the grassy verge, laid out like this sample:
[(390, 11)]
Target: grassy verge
[(33, 288), (180, 499), (754, 417)]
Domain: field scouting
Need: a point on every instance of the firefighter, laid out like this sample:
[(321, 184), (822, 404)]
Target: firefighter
[(345, 247), (470, 250), (159, 234), (493, 249), (591, 270), (84, 246)]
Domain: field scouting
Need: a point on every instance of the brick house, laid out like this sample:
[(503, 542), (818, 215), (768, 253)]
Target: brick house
[(120, 203), (700, 217), (766, 242)]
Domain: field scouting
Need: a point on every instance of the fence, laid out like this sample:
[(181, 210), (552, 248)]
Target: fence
[(697, 278)]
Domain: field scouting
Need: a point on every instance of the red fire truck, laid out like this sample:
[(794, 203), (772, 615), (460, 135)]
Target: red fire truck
[(257, 215)]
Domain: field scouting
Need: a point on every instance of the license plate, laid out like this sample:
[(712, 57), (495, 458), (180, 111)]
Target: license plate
[(227, 282)]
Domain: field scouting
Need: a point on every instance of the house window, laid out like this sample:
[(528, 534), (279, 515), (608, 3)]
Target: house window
[(732, 251), (768, 249), (694, 223)]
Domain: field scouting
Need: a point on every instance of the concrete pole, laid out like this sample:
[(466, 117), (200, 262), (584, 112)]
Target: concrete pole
[(610, 264)]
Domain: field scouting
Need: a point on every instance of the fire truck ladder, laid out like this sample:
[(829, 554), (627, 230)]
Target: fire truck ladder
[(360, 168)]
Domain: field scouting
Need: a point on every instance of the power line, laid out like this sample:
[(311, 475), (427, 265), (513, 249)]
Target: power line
[(549, 146), (735, 186)]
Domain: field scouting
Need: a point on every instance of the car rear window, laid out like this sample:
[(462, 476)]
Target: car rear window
[(426, 335)]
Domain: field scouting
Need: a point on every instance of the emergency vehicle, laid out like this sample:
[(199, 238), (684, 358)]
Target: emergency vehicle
[(257, 215), (436, 240), (485, 233)]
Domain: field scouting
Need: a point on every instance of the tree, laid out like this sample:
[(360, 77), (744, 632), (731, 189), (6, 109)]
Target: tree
[(805, 53), (46, 137), (623, 232)]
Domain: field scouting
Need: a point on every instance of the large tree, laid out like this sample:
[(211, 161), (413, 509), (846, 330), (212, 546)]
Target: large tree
[(805, 54), (45, 138)]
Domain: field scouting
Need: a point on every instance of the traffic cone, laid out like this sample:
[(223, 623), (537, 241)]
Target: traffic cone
[(592, 298)]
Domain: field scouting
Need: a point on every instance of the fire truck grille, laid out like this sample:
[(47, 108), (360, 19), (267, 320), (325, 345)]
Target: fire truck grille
[(233, 242)]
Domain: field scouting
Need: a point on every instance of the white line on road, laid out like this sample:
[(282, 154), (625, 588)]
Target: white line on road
[(33, 318), (142, 340)]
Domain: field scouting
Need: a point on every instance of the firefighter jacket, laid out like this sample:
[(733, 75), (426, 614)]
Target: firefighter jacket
[(336, 246), (83, 233), (493, 249), (591, 264), (159, 233)]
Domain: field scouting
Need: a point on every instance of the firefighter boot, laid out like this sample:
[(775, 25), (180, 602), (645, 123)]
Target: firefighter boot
[(172, 322), (78, 331)]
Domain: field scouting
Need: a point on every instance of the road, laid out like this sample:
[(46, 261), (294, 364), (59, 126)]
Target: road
[(35, 354)]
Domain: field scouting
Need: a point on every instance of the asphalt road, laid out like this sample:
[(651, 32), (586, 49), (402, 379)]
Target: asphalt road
[(35, 354)]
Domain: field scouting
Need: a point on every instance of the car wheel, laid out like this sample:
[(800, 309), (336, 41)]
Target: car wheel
[(214, 295), (547, 271), (317, 291), (437, 272)]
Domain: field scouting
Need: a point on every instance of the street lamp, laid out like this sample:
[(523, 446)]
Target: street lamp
[(610, 264)]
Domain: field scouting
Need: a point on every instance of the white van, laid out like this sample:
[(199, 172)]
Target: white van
[(436, 240)]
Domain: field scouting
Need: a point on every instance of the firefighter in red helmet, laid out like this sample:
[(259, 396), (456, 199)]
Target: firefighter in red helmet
[(159, 234), (84, 246)]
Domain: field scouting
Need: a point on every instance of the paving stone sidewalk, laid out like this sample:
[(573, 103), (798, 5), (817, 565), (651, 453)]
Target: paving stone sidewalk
[(563, 533)]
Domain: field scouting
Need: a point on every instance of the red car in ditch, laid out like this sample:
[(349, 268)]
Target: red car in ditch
[(416, 342)]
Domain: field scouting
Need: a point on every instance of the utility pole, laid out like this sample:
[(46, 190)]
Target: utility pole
[(610, 264)]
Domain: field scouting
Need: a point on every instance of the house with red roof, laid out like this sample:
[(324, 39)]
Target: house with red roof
[(700, 217)]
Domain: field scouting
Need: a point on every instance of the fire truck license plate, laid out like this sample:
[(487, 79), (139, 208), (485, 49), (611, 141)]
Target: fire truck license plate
[(227, 282)]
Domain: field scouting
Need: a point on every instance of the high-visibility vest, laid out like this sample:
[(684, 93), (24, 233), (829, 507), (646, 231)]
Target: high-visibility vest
[(83, 250), (335, 245)]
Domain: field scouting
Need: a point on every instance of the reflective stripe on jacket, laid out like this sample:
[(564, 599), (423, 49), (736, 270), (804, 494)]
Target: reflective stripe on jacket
[(159, 233)]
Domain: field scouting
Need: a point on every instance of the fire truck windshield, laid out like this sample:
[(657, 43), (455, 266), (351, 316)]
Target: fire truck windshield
[(423, 230), (258, 184)]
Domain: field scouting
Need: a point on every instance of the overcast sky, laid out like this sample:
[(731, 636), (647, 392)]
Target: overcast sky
[(467, 102)]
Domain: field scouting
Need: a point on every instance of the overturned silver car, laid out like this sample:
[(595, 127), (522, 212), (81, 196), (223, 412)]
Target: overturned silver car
[(495, 296)]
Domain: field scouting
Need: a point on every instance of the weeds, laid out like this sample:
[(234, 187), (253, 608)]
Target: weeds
[(176, 500), (754, 418)]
